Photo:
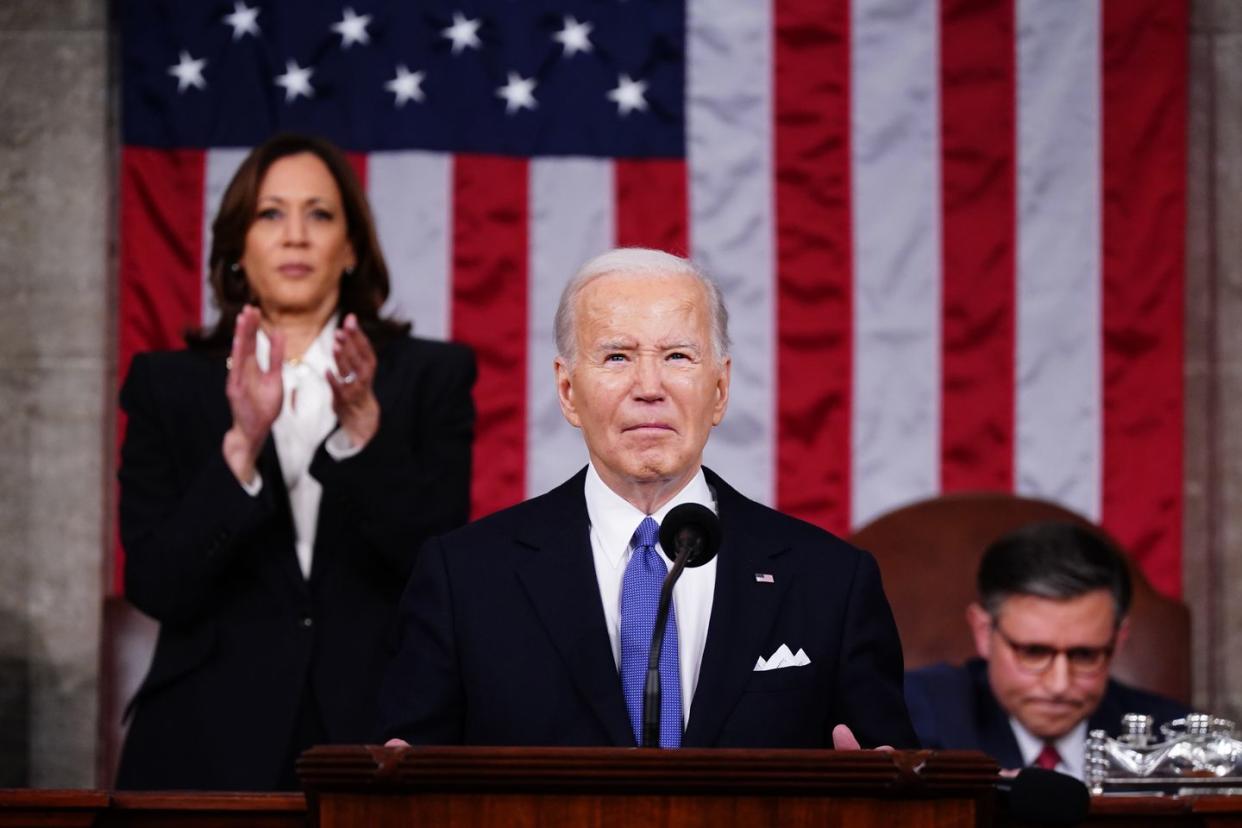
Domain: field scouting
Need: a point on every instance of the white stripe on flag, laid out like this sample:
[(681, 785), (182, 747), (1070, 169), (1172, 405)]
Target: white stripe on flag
[(897, 254), (411, 196), (729, 146), (572, 217), (1059, 424), (221, 165)]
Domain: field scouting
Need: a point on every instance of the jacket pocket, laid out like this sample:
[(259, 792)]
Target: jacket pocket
[(782, 678)]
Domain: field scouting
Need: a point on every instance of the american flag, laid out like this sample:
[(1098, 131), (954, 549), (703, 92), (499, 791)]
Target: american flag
[(950, 233)]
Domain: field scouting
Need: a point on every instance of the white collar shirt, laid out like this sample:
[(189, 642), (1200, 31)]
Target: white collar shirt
[(1072, 747), (306, 418), (613, 522)]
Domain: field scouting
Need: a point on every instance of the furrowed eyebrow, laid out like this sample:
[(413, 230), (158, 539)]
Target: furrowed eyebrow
[(616, 345)]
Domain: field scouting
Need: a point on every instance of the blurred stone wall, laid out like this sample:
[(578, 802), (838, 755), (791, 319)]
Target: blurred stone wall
[(1213, 472), (56, 366)]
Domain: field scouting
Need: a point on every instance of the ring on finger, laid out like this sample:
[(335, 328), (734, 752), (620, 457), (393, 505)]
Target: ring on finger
[(349, 378)]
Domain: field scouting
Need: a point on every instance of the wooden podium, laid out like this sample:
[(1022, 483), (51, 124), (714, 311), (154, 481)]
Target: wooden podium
[(607, 787)]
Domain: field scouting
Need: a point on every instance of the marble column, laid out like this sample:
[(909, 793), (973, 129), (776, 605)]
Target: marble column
[(1213, 470), (56, 376)]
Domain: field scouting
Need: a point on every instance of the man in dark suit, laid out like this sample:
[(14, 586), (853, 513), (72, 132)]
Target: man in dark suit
[(524, 627), (1050, 617)]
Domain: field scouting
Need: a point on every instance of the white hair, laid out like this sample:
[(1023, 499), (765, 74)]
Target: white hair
[(637, 261)]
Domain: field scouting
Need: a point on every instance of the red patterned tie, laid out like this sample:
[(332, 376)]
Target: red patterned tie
[(1048, 758)]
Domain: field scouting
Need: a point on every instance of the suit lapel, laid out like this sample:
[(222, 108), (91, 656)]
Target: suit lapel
[(995, 732), (559, 578), (743, 613)]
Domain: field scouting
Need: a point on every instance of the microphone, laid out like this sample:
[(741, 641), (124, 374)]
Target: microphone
[(692, 528), (690, 537), (1044, 797)]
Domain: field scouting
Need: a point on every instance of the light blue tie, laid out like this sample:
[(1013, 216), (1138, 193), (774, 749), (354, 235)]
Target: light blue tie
[(640, 598)]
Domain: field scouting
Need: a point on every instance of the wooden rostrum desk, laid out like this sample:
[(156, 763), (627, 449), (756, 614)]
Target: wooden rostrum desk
[(689, 788), (467, 787), (615, 787)]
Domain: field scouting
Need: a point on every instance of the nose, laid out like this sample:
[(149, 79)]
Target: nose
[(294, 228), (1057, 676), (648, 381)]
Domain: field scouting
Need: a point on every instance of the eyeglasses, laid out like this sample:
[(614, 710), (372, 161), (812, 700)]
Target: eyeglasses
[(1036, 658)]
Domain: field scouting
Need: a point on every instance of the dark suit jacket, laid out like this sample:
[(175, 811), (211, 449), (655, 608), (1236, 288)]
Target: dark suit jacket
[(504, 640), (242, 632), (953, 708)]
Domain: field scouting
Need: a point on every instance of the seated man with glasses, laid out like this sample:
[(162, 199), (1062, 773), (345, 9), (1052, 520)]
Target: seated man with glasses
[(1051, 614)]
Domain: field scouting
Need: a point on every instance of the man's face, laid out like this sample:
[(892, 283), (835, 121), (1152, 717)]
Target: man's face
[(646, 387), (1048, 702)]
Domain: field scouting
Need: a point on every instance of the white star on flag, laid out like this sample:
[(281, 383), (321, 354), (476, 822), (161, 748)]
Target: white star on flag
[(407, 85), (629, 95), (352, 28), (575, 37), (464, 33), (244, 20), (188, 72), (519, 93), (296, 81)]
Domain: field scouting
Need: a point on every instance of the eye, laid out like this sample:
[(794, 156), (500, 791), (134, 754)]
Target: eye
[(615, 358), (1086, 656), (320, 214), (1036, 651), (269, 214)]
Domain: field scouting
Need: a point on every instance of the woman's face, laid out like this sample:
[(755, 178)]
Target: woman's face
[(297, 246)]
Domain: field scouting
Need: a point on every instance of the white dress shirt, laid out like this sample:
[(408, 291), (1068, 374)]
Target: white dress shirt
[(305, 419), (1072, 747), (613, 522)]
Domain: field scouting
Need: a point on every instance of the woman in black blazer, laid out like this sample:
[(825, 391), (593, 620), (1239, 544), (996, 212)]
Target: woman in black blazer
[(277, 479)]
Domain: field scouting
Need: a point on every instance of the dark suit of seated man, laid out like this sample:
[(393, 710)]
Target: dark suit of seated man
[(532, 626), (1050, 616)]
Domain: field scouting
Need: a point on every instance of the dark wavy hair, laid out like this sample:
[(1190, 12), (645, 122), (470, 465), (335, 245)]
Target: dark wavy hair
[(363, 291), (1053, 560)]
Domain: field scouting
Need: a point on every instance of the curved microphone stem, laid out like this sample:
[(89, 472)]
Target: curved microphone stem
[(651, 689)]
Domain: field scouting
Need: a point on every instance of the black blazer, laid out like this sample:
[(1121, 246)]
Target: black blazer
[(503, 637), (954, 708), (242, 632)]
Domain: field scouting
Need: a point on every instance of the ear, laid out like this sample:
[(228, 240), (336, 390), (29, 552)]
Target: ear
[(1123, 634), (980, 628), (722, 390), (565, 392)]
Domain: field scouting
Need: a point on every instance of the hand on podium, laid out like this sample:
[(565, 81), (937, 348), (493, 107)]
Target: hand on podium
[(843, 739)]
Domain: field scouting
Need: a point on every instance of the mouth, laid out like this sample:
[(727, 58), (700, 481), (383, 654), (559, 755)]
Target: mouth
[(1055, 705), (647, 427), (294, 271)]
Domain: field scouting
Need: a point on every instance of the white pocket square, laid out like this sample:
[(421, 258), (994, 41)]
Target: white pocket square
[(782, 658)]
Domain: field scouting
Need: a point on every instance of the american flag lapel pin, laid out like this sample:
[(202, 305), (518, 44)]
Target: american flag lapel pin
[(764, 578)]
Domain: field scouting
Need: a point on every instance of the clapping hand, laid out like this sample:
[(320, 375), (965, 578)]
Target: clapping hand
[(353, 399), (254, 395)]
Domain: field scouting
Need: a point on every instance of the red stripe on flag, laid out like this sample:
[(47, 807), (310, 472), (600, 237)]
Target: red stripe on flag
[(161, 248), (977, 106), (814, 260), (652, 204), (358, 160), (1144, 209), (490, 240), (160, 262)]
